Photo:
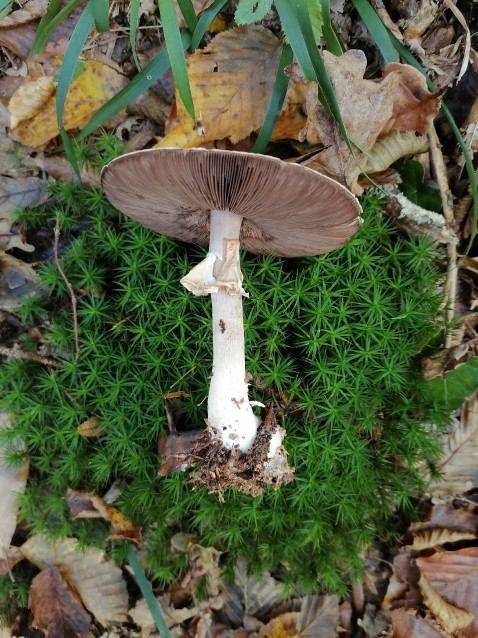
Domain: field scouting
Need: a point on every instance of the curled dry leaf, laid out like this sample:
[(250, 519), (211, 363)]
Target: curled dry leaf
[(13, 481), (29, 99), (89, 428), (17, 279), (30, 11), (451, 618), (231, 83), (446, 524), (55, 609), (87, 505), (406, 625), (97, 581), (434, 537), (141, 614), (391, 148), (93, 86)]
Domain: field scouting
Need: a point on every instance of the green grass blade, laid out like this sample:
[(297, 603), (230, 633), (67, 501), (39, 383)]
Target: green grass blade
[(5, 8), (205, 20), (101, 15), (276, 101), (4, 4), (147, 591), (133, 28), (470, 169), (138, 85), (189, 14), (292, 29), (172, 37), (377, 30), (45, 30), (331, 38), (66, 73)]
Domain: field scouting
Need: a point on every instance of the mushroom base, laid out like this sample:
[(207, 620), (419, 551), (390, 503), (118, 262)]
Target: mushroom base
[(249, 473)]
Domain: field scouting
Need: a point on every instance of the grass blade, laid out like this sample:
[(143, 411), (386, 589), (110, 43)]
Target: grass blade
[(52, 20), (172, 37), (292, 29), (189, 14), (470, 169), (377, 30), (205, 20), (101, 15), (138, 85), (147, 591), (5, 8), (66, 73), (133, 28), (331, 38), (276, 101)]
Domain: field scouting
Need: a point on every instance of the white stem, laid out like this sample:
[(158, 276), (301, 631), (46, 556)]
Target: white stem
[(230, 415)]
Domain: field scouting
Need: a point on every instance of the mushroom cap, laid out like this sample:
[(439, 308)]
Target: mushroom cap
[(289, 210)]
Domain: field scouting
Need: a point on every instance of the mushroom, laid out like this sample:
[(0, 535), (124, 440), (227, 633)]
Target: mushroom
[(229, 199)]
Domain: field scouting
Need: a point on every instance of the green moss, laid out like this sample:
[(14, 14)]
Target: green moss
[(333, 341)]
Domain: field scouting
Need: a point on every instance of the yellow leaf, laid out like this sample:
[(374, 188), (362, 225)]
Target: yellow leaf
[(231, 83), (93, 87), (29, 99)]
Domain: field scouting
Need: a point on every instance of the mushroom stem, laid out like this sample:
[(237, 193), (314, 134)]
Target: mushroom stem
[(230, 415)]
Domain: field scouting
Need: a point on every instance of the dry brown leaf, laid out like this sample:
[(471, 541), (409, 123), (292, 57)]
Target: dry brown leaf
[(458, 466), (446, 524), (284, 626), (17, 279), (318, 617), (389, 149), (231, 82), (17, 193), (30, 11), (89, 428), (141, 614), (13, 480), (97, 581), (87, 505), (29, 99), (9, 557), (249, 594), (463, 594), (54, 608), (95, 84), (414, 107), (435, 537), (443, 568), (19, 39), (451, 618), (406, 625), (443, 361)]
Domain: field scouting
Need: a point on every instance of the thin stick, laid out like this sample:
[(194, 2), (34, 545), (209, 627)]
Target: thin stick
[(69, 286), (16, 353), (452, 270)]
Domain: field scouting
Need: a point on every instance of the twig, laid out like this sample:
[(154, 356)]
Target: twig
[(16, 353), (69, 286), (452, 270)]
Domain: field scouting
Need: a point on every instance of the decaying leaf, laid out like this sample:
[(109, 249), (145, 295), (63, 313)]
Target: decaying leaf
[(97, 581), (439, 536), (13, 480), (408, 625), (141, 614), (249, 594), (54, 608), (443, 361), (18, 39), (89, 428), (446, 524), (376, 109), (29, 99), (9, 557), (391, 148), (31, 10), (17, 278), (444, 568), (319, 616), (87, 505), (451, 618), (17, 193), (459, 467), (283, 626), (93, 86), (231, 82)]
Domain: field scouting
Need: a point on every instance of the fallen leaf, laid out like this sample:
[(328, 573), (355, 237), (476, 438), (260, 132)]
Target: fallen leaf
[(443, 361), (19, 39), (9, 557), (460, 451), (54, 608), (283, 626), (250, 595), (13, 480), (97, 581), (17, 193), (231, 82), (89, 427), (444, 568), (17, 280), (414, 107), (318, 617), (30, 11), (29, 99), (141, 614), (446, 524), (87, 505), (450, 617), (95, 84), (406, 625)]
